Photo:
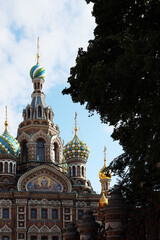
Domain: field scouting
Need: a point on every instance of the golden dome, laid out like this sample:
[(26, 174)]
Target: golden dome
[(105, 172), (103, 202)]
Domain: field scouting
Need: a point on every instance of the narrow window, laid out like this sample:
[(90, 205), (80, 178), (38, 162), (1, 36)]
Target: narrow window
[(6, 167), (69, 171), (80, 214), (55, 152), (24, 152), (40, 151), (54, 213), (10, 167), (44, 213), (5, 213), (33, 213), (83, 171), (39, 111), (29, 113), (1, 167), (74, 171), (78, 171)]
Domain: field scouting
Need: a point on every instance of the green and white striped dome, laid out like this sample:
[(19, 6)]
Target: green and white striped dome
[(37, 71)]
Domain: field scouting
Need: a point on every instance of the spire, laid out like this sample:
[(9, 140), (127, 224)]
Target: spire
[(105, 156), (75, 129), (38, 50), (6, 122)]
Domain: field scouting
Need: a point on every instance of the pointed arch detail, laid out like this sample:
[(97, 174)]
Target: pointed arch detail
[(42, 135)]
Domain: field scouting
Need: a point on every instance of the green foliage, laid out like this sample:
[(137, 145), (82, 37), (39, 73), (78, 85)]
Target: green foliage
[(119, 78)]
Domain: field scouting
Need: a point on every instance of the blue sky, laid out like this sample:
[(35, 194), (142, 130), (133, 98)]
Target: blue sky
[(63, 26)]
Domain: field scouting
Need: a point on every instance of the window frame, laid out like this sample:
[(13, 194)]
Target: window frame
[(4, 209), (31, 212)]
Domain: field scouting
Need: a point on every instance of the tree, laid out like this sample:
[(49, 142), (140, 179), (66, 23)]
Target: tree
[(119, 78)]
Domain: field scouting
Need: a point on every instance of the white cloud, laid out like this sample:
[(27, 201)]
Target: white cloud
[(108, 129), (63, 26)]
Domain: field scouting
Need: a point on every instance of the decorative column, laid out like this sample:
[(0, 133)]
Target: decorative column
[(115, 217)]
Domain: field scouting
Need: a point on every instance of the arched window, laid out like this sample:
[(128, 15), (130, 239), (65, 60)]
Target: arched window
[(39, 111), (74, 171), (1, 167), (78, 171), (82, 171), (24, 152), (69, 171), (40, 151), (38, 85), (10, 167), (55, 152), (6, 167)]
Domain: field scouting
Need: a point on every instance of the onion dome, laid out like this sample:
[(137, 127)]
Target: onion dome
[(37, 71), (103, 202), (105, 172), (76, 148), (8, 144)]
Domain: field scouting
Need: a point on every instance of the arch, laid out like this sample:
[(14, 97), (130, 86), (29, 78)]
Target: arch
[(5, 229), (23, 136), (22, 125), (44, 229), (55, 229), (44, 123), (40, 150), (50, 171), (24, 151), (33, 229), (41, 135), (5, 180)]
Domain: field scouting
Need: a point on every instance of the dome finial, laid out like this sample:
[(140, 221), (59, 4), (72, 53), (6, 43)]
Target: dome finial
[(6, 122), (75, 129), (105, 149), (38, 50)]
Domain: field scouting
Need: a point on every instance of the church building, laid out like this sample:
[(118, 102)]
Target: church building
[(43, 184)]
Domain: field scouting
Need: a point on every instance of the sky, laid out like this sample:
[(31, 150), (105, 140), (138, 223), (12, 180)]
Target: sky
[(63, 26)]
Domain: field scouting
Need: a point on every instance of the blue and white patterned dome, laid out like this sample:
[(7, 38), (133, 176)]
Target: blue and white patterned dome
[(76, 149), (8, 144), (37, 71)]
